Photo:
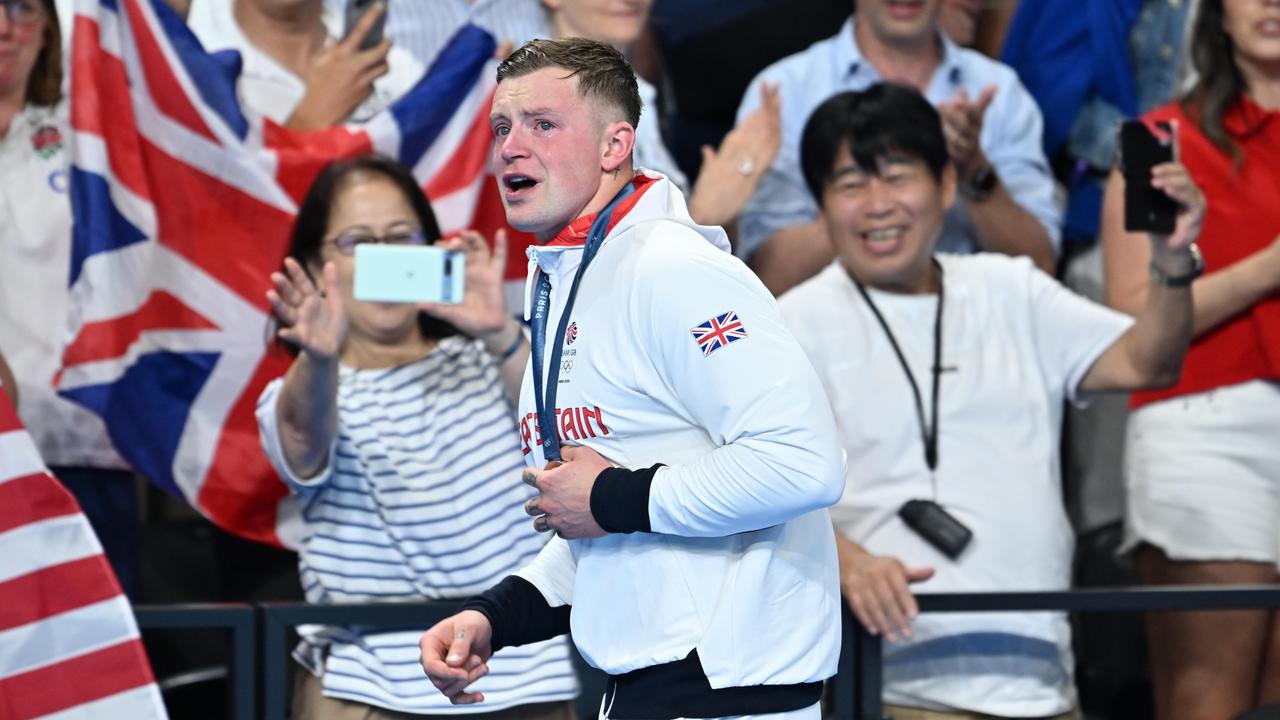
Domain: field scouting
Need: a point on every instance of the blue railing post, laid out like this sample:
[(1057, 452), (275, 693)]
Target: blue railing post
[(240, 619), (275, 666), (870, 679)]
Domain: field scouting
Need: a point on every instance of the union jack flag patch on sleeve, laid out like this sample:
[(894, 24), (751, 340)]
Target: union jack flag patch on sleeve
[(718, 332)]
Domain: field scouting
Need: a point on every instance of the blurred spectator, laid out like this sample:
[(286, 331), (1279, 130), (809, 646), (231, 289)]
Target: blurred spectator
[(959, 20), (296, 67), (993, 138), (706, 52), (1202, 462), (728, 175), (1089, 71), (424, 27), (35, 254), (988, 376), (395, 434)]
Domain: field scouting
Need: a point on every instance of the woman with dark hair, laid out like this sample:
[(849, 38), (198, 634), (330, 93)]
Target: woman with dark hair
[(35, 252), (394, 427), (1203, 457)]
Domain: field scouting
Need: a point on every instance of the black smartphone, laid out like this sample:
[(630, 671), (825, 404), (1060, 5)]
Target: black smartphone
[(356, 10), (1143, 145)]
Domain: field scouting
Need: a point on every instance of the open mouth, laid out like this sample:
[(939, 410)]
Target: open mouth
[(517, 185), (884, 241)]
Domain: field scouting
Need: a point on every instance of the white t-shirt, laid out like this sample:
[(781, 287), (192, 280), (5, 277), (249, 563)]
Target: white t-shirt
[(421, 499), (267, 87), (35, 262), (1015, 345)]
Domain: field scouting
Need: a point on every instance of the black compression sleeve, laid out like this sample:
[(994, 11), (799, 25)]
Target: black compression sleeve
[(620, 499), (518, 613)]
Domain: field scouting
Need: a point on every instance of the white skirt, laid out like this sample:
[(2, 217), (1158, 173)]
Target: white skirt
[(1203, 475), (813, 712)]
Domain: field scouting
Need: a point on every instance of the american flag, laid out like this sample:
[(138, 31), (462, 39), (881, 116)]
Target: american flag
[(183, 203), (718, 332), (70, 644)]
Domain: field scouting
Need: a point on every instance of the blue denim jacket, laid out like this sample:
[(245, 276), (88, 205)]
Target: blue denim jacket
[(1155, 43), (1156, 46)]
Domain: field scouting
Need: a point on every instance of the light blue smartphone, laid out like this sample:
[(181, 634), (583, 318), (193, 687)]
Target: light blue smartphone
[(409, 273)]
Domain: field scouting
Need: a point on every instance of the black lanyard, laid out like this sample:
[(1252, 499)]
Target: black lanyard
[(538, 330), (928, 430)]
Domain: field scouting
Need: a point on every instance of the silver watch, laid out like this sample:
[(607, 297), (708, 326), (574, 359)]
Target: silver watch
[(1197, 269)]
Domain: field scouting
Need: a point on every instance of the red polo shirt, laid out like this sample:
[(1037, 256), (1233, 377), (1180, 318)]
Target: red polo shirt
[(1243, 218)]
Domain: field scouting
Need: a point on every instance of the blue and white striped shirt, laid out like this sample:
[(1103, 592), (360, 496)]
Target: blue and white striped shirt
[(420, 499)]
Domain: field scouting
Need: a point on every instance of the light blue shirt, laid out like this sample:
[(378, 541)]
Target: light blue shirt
[(1010, 136)]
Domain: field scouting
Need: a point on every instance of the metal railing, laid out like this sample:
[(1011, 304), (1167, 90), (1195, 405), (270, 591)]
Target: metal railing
[(279, 618), (239, 619), (854, 693), (857, 687)]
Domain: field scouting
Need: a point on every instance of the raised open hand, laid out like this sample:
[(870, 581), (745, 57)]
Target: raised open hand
[(310, 318), (729, 175)]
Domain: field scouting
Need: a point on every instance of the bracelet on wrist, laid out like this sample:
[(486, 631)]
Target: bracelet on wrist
[(515, 345)]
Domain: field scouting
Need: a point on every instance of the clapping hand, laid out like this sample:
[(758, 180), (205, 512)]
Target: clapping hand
[(729, 176), (962, 121), (312, 319)]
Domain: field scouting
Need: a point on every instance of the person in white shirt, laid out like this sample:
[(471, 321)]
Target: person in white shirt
[(993, 130), (296, 66), (680, 443), (397, 435), (35, 258), (729, 174), (947, 375), (424, 27)]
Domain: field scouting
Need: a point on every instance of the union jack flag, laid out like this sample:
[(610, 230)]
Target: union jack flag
[(718, 332), (183, 203)]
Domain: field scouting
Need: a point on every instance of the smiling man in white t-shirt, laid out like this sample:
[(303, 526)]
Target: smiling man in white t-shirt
[(947, 375)]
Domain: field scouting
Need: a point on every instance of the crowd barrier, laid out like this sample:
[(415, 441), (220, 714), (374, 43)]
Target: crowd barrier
[(260, 633)]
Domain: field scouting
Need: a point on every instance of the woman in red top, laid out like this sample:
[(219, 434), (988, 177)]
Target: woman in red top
[(1203, 457)]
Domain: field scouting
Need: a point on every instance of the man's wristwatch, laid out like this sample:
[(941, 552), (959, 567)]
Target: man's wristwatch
[(980, 184), (1184, 279)]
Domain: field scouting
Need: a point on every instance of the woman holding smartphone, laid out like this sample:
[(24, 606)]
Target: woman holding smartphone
[(1203, 458), (398, 436)]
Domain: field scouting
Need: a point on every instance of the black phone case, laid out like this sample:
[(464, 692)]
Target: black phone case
[(937, 526), (356, 10), (1146, 209)]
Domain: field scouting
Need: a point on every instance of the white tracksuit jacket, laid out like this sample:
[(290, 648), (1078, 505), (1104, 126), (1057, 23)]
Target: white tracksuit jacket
[(741, 563)]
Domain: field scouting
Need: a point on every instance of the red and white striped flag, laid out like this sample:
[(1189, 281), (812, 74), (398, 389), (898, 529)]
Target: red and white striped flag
[(69, 646)]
